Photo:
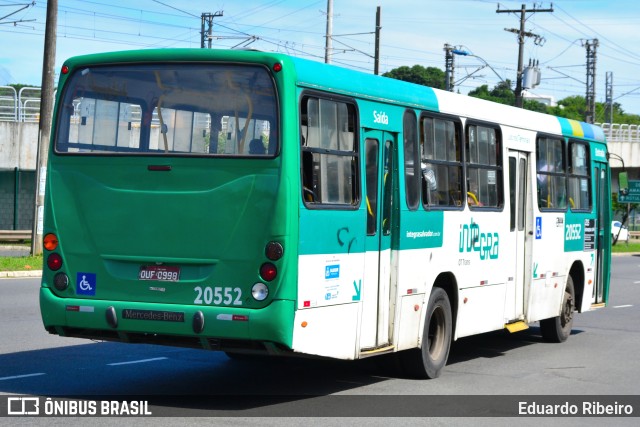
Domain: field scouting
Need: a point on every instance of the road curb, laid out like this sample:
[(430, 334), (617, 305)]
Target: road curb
[(19, 274)]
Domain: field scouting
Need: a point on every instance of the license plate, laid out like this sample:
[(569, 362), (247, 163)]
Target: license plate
[(161, 273)]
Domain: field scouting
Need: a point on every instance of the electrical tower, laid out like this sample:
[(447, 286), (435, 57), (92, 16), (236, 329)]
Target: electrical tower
[(609, 97), (590, 112), (207, 18), (521, 35), (376, 60), (448, 67)]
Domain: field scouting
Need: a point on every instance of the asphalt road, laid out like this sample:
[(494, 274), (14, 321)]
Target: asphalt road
[(599, 359)]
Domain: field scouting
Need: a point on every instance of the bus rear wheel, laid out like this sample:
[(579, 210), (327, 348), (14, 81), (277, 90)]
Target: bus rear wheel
[(557, 329), (427, 361)]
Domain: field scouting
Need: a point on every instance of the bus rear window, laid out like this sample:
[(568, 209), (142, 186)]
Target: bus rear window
[(169, 109)]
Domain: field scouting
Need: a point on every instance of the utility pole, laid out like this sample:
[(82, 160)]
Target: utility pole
[(207, 18), (521, 35), (590, 111), (448, 67), (376, 66), (328, 46), (609, 96), (46, 111)]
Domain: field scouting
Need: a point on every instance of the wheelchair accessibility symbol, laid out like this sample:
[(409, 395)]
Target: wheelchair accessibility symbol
[(86, 283)]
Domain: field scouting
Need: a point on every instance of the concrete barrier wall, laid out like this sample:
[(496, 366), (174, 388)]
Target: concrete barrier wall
[(18, 145)]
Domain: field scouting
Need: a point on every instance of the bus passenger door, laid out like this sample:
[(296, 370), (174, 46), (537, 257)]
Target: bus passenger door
[(377, 291), (603, 254), (519, 240)]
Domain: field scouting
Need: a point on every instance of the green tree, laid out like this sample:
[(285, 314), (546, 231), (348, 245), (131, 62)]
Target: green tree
[(619, 116), (501, 93), (429, 76), (571, 107)]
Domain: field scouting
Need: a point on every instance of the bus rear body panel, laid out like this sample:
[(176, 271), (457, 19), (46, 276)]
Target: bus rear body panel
[(166, 196)]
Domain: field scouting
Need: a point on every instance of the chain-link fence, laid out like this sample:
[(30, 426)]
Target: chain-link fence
[(17, 199)]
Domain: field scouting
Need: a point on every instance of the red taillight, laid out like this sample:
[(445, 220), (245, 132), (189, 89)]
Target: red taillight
[(277, 67), (268, 271), (65, 69), (54, 262)]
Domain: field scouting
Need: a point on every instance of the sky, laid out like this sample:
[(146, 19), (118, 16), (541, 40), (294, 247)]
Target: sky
[(413, 32)]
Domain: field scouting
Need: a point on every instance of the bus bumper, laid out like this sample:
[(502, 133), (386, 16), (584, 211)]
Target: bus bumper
[(208, 327)]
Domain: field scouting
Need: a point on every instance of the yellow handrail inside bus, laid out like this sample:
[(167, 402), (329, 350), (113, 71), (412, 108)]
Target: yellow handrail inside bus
[(473, 198)]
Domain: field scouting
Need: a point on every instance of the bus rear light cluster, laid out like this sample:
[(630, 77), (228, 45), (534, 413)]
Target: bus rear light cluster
[(268, 270), (54, 262)]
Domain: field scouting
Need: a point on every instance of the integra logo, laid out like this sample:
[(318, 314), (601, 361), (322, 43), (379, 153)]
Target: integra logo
[(472, 240), (380, 117)]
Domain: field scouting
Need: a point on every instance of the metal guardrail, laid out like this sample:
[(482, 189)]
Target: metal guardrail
[(14, 235), (620, 132), (22, 106)]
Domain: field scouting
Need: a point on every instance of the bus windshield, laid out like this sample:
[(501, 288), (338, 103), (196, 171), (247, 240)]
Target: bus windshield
[(169, 109)]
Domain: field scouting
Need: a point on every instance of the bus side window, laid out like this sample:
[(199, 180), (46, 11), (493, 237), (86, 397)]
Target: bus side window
[(484, 167), (329, 153), (440, 162), (551, 178), (579, 191)]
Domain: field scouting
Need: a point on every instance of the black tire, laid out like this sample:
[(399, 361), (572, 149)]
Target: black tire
[(243, 357), (557, 329), (427, 361)]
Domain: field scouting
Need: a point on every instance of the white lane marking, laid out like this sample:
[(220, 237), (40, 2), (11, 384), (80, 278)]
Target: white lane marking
[(155, 359), (622, 306), (15, 377)]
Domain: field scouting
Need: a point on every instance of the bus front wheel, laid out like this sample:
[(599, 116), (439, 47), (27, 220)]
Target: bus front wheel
[(428, 360), (557, 329)]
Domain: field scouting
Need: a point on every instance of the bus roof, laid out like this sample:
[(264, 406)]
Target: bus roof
[(317, 75), (355, 83)]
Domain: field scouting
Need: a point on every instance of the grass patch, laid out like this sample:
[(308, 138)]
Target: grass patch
[(622, 247), (23, 263)]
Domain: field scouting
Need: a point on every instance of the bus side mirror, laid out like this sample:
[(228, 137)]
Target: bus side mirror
[(623, 183)]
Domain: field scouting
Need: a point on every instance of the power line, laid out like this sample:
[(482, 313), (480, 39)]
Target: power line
[(591, 28), (175, 8)]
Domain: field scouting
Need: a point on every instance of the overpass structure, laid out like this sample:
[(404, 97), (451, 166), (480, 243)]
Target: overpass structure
[(623, 141)]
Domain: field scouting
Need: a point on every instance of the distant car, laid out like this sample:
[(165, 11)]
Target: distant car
[(624, 233)]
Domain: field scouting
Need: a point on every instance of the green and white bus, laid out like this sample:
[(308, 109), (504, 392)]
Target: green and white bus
[(253, 202)]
